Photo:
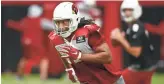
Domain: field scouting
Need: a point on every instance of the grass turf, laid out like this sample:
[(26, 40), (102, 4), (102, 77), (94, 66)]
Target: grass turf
[(158, 78)]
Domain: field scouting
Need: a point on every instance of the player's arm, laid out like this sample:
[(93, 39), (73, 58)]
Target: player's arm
[(16, 25), (133, 50), (135, 47), (102, 55), (57, 41)]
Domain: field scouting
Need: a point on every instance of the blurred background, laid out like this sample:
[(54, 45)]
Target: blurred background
[(26, 50)]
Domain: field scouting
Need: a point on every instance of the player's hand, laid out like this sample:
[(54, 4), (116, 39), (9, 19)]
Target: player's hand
[(116, 34), (71, 74), (73, 53), (10, 23)]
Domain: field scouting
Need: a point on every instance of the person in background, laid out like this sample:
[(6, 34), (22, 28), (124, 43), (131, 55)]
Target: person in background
[(32, 42), (135, 40), (89, 10)]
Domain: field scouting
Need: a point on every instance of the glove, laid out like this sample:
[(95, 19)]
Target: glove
[(10, 23), (73, 53), (71, 74), (59, 44)]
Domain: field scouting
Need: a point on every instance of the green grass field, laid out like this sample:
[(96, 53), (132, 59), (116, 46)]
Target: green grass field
[(34, 79)]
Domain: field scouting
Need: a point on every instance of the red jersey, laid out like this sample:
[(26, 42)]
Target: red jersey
[(32, 36), (86, 39)]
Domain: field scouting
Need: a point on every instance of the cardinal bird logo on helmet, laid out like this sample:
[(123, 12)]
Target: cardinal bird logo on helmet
[(74, 9)]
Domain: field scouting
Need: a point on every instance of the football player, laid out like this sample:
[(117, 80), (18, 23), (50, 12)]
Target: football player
[(135, 40), (82, 47), (32, 43)]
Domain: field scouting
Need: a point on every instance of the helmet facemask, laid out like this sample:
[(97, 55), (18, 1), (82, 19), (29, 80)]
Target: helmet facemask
[(67, 28)]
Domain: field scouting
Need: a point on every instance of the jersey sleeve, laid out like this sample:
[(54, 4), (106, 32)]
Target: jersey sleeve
[(138, 34), (95, 38)]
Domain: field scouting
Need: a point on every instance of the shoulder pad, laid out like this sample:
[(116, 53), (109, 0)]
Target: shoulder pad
[(92, 28)]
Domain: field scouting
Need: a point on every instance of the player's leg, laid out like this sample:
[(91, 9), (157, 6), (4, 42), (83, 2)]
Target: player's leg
[(31, 62), (44, 68), (20, 67)]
